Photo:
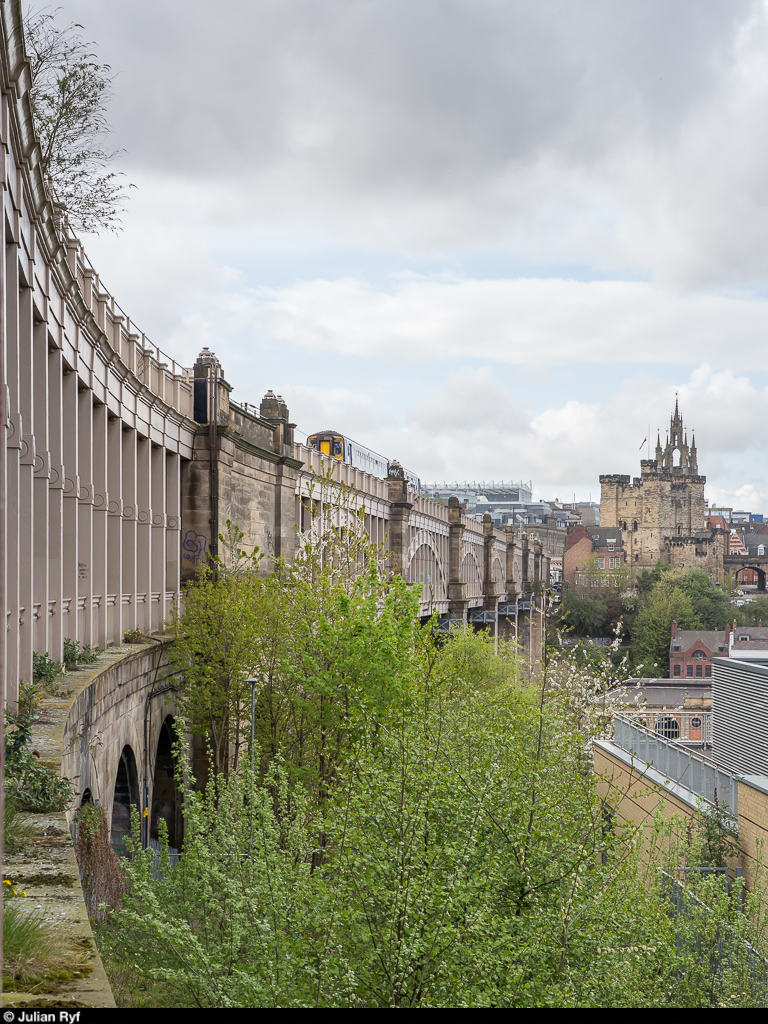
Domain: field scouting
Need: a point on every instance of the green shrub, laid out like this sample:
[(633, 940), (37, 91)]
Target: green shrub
[(76, 653), (30, 784), (35, 786), (45, 670)]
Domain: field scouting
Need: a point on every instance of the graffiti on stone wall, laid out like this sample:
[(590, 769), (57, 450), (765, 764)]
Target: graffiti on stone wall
[(193, 546)]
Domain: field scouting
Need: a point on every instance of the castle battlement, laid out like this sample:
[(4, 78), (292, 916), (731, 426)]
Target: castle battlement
[(615, 478), (662, 511)]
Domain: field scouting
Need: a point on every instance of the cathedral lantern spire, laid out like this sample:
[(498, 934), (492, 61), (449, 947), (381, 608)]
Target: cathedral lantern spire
[(677, 441), (659, 452)]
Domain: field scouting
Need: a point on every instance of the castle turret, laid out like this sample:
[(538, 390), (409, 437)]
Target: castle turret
[(663, 511)]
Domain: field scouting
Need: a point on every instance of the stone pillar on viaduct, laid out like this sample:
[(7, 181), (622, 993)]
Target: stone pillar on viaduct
[(399, 518), (457, 598), (250, 480)]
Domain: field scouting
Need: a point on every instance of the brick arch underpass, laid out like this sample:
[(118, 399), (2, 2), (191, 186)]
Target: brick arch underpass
[(738, 563)]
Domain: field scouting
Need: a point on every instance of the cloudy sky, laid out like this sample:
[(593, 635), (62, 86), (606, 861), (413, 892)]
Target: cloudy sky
[(490, 238)]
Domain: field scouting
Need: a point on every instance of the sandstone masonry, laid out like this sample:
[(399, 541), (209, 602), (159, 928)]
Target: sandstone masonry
[(662, 512)]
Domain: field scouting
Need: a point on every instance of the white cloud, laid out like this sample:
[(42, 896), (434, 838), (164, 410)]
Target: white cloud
[(628, 137), (623, 141), (548, 322)]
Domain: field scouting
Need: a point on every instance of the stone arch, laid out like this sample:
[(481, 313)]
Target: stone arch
[(126, 798), (470, 571), (756, 568), (165, 795), (497, 571), (425, 567)]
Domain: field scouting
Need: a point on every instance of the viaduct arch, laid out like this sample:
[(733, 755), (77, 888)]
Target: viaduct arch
[(120, 466)]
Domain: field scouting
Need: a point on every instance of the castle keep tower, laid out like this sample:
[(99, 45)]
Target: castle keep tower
[(662, 512)]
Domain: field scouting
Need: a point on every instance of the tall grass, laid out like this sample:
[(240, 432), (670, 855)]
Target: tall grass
[(34, 953), (17, 830)]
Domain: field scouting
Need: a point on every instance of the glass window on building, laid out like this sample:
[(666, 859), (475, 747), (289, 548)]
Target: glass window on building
[(675, 670), (689, 670)]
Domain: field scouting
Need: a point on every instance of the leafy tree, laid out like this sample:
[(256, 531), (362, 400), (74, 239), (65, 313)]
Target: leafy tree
[(687, 595), (710, 603), (648, 578), (586, 614), (341, 641), (214, 650), (70, 90), (467, 861), (753, 612), (652, 629)]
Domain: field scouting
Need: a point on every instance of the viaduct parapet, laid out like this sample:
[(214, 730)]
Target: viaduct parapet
[(119, 468)]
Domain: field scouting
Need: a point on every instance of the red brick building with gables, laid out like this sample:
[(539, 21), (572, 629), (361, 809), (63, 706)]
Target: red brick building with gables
[(691, 651)]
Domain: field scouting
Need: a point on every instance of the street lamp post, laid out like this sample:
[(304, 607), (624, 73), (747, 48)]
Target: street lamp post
[(252, 680)]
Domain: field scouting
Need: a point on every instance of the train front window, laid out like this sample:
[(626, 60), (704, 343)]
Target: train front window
[(337, 448)]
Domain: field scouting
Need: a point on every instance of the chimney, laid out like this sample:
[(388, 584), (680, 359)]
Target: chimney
[(674, 628), (727, 636)]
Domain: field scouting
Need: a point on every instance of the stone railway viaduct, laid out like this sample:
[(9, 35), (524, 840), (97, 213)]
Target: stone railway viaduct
[(118, 468)]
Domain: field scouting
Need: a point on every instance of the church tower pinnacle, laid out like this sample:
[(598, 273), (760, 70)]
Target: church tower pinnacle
[(685, 461)]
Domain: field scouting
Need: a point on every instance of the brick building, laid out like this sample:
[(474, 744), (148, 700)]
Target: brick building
[(581, 544), (691, 651)]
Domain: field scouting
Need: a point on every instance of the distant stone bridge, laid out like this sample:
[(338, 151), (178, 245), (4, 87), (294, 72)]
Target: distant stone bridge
[(119, 469), (467, 570)]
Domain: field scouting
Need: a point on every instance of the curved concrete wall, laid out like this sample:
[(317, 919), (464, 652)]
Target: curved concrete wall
[(98, 422)]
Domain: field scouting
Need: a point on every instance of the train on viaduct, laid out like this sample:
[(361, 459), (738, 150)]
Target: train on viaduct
[(118, 467)]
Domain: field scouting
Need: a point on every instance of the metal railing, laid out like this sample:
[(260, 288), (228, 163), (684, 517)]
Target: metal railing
[(681, 726), (679, 764)]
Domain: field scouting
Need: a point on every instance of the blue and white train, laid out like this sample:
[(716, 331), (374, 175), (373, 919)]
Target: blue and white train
[(338, 446)]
